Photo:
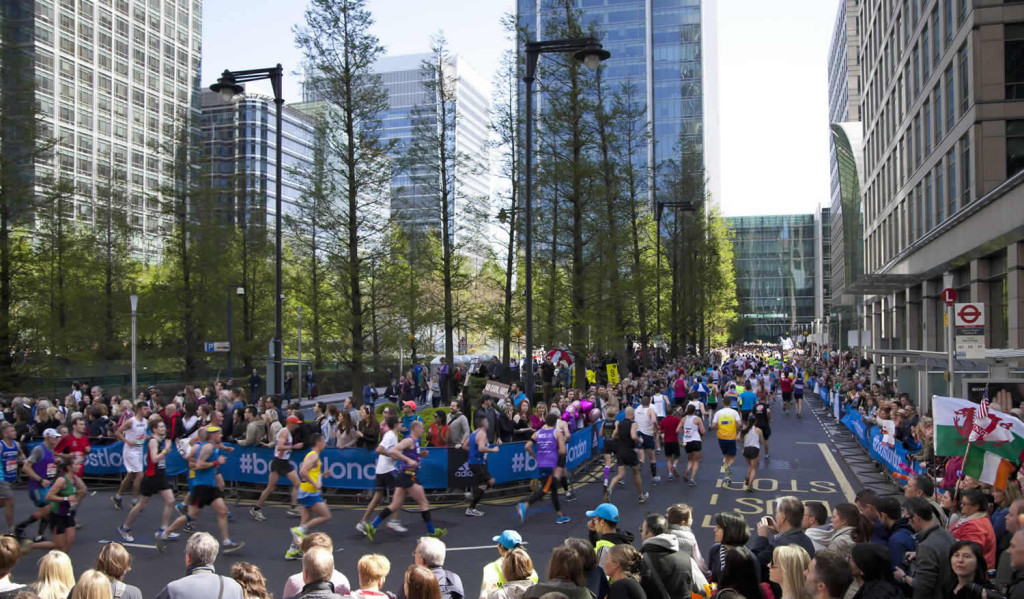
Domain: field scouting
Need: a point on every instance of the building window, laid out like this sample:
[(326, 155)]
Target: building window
[(951, 169), (1013, 50), (940, 198), (950, 98), (963, 12), (926, 122), (1014, 147), (949, 20), (965, 82), (965, 170), (929, 204)]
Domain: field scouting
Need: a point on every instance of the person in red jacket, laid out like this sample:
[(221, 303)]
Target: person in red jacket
[(974, 525)]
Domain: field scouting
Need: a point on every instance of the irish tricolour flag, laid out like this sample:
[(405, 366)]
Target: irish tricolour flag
[(992, 435)]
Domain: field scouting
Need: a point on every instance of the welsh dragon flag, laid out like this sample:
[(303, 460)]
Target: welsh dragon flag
[(958, 422)]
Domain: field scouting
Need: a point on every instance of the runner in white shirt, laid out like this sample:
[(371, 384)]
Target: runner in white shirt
[(385, 481), (133, 434), (646, 423), (753, 438), (660, 404), (691, 428)]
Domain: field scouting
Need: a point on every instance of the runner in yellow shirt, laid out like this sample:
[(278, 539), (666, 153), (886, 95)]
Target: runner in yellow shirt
[(726, 425), (311, 503)]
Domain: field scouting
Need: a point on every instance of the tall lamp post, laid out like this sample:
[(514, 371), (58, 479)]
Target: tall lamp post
[(233, 290), (589, 51), (134, 299), (229, 86)]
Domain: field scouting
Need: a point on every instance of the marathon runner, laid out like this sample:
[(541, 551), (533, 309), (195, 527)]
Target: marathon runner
[(560, 471), (727, 427), (204, 493), (798, 394), (75, 446), (11, 455), (611, 413), (692, 429), (550, 445), (133, 434), (154, 481), (646, 422), (63, 495), (763, 421), (752, 440), (314, 510), (41, 469), (280, 466), (626, 439), (786, 384), (385, 480), (669, 427), (407, 454), (747, 399), (478, 448)]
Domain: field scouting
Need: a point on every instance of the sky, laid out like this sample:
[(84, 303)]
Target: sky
[(773, 69)]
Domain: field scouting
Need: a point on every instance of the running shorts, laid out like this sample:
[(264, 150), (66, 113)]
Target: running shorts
[(751, 453), (672, 449), (384, 482), (646, 441), (745, 414), (204, 495), (405, 479), (727, 446), (798, 395), (307, 499), (766, 431), (133, 461), (281, 467), (610, 446), (38, 497), (61, 524), (627, 457), (6, 492), (694, 446), (787, 396), (153, 485), (561, 461), (480, 474)]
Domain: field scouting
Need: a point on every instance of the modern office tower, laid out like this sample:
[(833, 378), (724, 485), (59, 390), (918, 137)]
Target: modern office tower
[(775, 259), (112, 80), (822, 272), (845, 230), (943, 153), (239, 141), (668, 50)]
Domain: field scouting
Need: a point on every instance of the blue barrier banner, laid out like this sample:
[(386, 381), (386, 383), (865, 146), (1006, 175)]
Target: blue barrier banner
[(893, 458), (356, 468)]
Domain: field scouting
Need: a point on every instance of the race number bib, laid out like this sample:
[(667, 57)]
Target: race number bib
[(11, 466), (51, 470)]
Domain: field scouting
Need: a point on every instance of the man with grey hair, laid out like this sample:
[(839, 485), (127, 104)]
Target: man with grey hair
[(201, 581), (430, 553), (317, 569)]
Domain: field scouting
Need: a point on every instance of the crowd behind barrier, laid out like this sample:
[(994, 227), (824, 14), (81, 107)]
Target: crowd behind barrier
[(892, 456)]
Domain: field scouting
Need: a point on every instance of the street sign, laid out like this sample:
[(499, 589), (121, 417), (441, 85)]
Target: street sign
[(969, 315), (217, 346), (949, 296), (970, 347)]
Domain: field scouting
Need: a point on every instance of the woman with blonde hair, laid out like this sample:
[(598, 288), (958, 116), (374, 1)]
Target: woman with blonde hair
[(251, 579), (115, 561), (56, 576), (789, 562), (623, 568), (92, 585)]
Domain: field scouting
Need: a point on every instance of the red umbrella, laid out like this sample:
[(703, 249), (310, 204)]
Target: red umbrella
[(558, 354)]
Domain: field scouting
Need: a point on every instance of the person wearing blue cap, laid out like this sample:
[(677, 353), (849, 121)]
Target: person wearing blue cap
[(604, 533), (494, 579)]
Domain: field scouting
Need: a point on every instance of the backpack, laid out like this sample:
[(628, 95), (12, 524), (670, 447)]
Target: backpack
[(448, 588)]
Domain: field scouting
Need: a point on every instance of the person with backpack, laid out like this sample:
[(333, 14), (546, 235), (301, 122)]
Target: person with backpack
[(430, 553), (669, 569)]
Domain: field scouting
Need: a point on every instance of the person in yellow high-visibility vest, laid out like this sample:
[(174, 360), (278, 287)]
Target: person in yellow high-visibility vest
[(604, 533), (493, 577)]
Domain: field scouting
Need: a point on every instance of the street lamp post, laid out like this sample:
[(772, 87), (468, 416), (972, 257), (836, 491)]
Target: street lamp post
[(229, 86), (301, 381), (590, 52), (239, 290), (134, 299)]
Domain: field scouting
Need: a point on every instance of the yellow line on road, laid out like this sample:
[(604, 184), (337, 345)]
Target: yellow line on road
[(837, 472)]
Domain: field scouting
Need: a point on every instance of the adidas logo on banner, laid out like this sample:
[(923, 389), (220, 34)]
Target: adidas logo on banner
[(464, 471)]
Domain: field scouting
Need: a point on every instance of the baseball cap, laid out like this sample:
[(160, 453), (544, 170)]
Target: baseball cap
[(409, 404), (605, 511), (509, 539), (293, 420), (51, 433), (213, 429)]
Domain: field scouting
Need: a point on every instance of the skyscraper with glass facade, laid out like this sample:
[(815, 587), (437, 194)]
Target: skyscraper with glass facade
[(112, 78), (661, 47)]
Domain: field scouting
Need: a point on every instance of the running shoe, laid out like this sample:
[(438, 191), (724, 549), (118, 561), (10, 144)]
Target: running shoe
[(643, 497), (370, 532), (126, 533), (656, 480), (293, 511), (297, 532), (182, 508), (19, 531), (189, 528), (117, 503), (692, 482), (438, 533), (231, 546), (257, 514), (474, 512), (39, 539), (362, 526), (570, 496), (292, 554), (170, 536), (396, 526), (562, 519), (161, 543), (723, 467), (521, 511)]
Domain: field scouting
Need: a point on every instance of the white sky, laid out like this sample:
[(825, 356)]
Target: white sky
[(772, 62)]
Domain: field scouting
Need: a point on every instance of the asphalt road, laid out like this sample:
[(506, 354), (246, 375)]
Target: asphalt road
[(802, 464)]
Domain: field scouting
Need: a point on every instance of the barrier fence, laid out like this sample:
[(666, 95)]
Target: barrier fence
[(355, 469), (892, 456)]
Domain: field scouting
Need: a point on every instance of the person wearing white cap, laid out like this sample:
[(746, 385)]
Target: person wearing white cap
[(41, 470), (494, 579)]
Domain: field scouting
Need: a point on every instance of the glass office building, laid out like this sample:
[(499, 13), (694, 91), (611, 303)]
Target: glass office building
[(659, 45), (777, 274), (240, 141)]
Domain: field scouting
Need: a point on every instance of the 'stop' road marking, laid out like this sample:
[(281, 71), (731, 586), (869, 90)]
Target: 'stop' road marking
[(837, 472)]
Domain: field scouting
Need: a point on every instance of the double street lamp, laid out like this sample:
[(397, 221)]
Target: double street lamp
[(229, 86), (590, 52)]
